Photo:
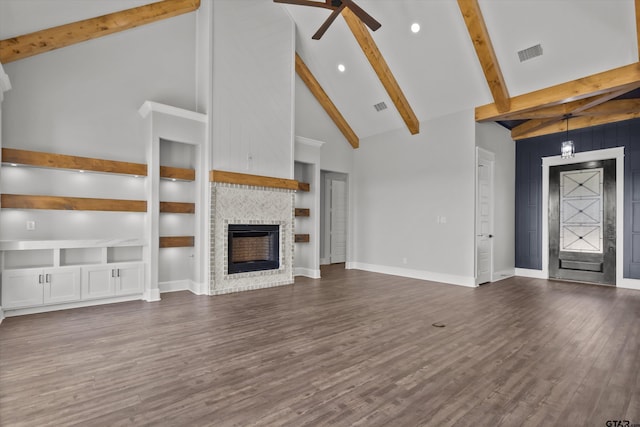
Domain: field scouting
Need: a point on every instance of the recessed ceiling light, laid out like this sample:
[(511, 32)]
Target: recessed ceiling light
[(341, 68), (173, 179), (415, 27), (13, 164), (81, 171)]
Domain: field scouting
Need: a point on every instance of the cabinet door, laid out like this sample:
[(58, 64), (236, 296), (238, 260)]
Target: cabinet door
[(61, 285), (98, 282), (22, 288), (129, 279)]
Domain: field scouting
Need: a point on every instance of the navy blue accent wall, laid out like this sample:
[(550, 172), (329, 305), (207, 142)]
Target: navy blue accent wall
[(529, 153)]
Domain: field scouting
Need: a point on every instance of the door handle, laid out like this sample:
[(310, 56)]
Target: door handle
[(113, 272), (47, 278), (40, 278), (490, 236)]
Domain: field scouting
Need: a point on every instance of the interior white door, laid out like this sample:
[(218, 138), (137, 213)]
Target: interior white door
[(484, 217), (338, 218)]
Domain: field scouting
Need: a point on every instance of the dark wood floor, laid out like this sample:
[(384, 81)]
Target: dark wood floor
[(354, 348)]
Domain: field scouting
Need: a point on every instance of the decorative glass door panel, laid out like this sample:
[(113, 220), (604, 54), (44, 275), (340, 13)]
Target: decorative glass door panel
[(581, 203)]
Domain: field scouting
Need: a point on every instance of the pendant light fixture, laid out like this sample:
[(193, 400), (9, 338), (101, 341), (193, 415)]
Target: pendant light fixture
[(567, 148)]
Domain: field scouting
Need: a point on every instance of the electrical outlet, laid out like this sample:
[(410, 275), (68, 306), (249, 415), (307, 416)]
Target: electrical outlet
[(31, 225)]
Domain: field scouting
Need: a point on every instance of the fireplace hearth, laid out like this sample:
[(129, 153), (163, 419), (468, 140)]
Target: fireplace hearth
[(253, 247)]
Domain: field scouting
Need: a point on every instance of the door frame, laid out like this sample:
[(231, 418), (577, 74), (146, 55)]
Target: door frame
[(488, 156), (326, 176), (586, 156)]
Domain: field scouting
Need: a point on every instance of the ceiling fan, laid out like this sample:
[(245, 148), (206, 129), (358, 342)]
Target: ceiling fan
[(336, 6)]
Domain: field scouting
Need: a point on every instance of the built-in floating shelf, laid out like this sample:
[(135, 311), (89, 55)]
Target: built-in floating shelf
[(63, 161), (302, 238), (177, 207), (20, 201), (304, 186), (302, 212), (177, 173), (252, 180), (177, 241)]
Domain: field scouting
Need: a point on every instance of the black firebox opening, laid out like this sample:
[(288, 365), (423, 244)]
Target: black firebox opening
[(253, 247)]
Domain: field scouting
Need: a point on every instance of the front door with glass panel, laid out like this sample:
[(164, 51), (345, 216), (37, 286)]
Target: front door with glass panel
[(582, 222)]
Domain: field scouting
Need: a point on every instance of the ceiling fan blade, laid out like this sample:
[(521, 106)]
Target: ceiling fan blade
[(306, 3), (323, 28), (364, 16)]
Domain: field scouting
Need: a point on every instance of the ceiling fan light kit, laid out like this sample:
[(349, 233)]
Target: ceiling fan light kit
[(336, 6)]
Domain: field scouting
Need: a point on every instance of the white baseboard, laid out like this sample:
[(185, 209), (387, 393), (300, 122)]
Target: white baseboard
[(183, 285), (629, 284), (534, 274), (414, 274), (503, 274), (67, 306), (1, 315), (174, 286), (306, 272), (151, 295), (198, 288)]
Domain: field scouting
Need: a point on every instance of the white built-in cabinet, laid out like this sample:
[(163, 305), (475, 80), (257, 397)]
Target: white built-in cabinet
[(112, 280), (36, 287), (46, 274)]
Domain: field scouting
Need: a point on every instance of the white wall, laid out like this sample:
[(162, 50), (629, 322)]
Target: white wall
[(403, 184), (253, 69), (313, 122), (83, 100), (495, 138)]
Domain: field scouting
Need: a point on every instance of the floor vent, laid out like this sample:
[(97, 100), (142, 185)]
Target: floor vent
[(380, 106), (530, 53)]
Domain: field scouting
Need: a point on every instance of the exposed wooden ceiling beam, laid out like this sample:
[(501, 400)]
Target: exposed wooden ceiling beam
[(377, 61), (579, 123), (486, 55), (27, 45), (531, 126), (596, 84), (617, 106), (552, 111), (314, 86), (572, 109)]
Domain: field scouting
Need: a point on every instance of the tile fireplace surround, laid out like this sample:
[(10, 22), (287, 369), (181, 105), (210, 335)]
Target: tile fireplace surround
[(243, 204)]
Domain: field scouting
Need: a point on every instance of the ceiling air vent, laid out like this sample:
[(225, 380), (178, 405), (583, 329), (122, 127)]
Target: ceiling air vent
[(530, 53), (380, 106)]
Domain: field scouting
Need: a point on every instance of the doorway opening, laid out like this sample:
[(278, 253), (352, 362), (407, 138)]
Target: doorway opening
[(333, 217), (582, 222), (615, 154), (484, 215)]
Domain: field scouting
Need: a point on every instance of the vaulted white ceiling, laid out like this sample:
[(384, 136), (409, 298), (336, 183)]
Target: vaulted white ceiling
[(438, 69)]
